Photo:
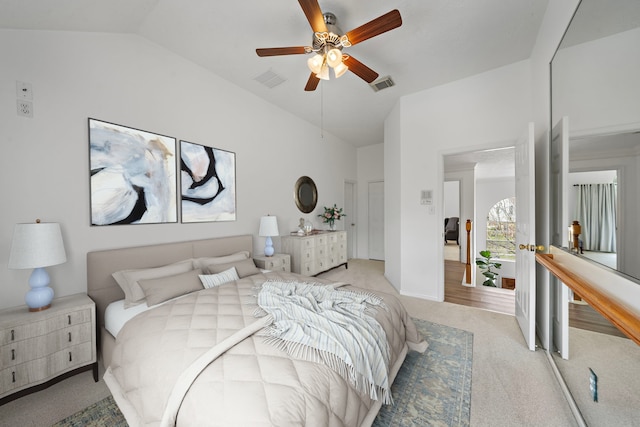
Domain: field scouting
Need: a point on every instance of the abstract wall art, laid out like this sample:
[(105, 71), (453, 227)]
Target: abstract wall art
[(208, 183), (133, 175)]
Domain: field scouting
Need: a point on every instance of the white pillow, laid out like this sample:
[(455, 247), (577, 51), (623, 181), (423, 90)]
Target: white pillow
[(213, 280), (203, 262)]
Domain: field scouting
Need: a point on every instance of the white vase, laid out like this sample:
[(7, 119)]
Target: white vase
[(332, 226)]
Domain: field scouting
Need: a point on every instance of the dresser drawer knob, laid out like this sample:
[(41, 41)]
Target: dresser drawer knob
[(13, 335), (13, 354), (70, 358), (69, 336), (13, 376), (69, 318)]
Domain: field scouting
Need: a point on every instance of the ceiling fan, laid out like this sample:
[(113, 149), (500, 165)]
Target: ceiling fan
[(328, 42)]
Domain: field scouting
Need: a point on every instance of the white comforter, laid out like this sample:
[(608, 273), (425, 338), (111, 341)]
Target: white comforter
[(249, 383)]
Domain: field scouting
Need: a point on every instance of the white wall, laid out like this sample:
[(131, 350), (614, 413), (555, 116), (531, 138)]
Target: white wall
[(451, 198), (129, 81), (370, 169), (484, 109)]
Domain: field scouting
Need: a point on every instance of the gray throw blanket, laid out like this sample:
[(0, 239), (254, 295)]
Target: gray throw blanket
[(320, 323)]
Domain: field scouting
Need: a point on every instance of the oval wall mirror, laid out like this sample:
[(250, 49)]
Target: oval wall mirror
[(305, 194)]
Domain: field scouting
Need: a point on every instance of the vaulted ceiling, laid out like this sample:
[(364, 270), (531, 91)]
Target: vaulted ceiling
[(439, 41)]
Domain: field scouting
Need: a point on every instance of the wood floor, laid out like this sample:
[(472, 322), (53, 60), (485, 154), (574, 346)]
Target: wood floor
[(493, 299), (581, 316)]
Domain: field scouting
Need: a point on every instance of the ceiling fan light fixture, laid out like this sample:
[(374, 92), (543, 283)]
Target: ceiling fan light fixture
[(340, 69), (334, 57), (315, 63), (324, 72)]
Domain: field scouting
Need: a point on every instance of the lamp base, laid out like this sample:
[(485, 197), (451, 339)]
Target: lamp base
[(33, 310), (268, 247), (40, 295)]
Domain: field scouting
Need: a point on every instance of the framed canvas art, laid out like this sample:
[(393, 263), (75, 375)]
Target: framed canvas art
[(133, 175), (208, 183)]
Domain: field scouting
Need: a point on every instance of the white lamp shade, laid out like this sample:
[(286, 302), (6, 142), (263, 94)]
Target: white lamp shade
[(268, 226), (340, 69), (36, 245), (315, 63), (334, 57), (324, 72)]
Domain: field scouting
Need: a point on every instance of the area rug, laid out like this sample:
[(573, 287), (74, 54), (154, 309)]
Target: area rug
[(431, 389)]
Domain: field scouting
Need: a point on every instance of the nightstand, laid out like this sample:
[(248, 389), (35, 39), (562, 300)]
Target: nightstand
[(277, 262), (39, 349)]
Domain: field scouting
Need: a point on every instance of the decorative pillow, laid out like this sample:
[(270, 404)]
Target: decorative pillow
[(128, 279), (164, 288), (213, 280), (244, 268), (202, 262)]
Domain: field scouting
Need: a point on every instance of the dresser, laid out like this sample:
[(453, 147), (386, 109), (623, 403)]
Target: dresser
[(277, 262), (316, 253), (39, 349)]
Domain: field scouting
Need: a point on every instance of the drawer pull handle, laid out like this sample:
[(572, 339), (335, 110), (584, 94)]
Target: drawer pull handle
[(13, 376), (13, 335), (69, 336), (70, 358), (69, 317), (13, 354)]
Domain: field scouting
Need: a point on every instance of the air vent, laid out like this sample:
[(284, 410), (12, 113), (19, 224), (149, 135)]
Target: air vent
[(382, 83), (270, 79)]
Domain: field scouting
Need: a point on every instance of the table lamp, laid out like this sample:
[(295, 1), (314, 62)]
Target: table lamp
[(37, 245), (268, 228)]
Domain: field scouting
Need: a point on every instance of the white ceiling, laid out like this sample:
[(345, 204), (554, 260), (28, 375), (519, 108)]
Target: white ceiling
[(439, 41)]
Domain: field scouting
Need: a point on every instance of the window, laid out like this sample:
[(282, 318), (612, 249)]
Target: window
[(501, 229)]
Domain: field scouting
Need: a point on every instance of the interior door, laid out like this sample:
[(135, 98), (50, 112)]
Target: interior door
[(559, 192), (525, 235), (350, 219), (376, 220)]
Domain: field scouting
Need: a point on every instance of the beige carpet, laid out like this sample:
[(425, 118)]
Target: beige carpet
[(616, 361), (452, 252), (511, 386)]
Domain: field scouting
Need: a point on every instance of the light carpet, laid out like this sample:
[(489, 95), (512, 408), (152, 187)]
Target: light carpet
[(431, 389)]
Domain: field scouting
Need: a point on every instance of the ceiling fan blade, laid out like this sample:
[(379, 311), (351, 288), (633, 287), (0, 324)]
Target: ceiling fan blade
[(380, 25), (312, 11), (275, 51), (360, 70), (312, 83)]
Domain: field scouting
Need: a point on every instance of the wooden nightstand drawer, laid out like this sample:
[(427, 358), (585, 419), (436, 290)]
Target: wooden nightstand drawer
[(277, 262), (26, 331), (35, 348)]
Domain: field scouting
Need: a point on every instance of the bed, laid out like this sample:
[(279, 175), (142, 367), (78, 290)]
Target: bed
[(217, 354)]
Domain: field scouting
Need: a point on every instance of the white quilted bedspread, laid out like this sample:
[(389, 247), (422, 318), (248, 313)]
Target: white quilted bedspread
[(252, 383)]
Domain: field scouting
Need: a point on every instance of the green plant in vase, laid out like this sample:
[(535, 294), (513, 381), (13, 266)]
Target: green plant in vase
[(486, 264), (331, 215)]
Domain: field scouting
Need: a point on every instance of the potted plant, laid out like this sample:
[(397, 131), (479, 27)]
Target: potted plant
[(331, 215), (486, 264)]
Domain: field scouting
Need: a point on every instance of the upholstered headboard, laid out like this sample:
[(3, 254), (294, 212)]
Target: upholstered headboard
[(102, 287)]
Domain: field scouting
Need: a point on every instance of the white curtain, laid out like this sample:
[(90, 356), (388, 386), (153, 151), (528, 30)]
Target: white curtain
[(596, 211)]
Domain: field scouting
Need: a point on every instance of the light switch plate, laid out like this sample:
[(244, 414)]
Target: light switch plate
[(24, 90)]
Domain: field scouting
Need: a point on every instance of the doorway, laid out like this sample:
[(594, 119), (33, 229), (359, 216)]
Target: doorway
[(480, 177)]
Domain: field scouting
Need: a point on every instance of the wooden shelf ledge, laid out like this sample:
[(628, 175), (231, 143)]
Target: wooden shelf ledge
[(622, 316)]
